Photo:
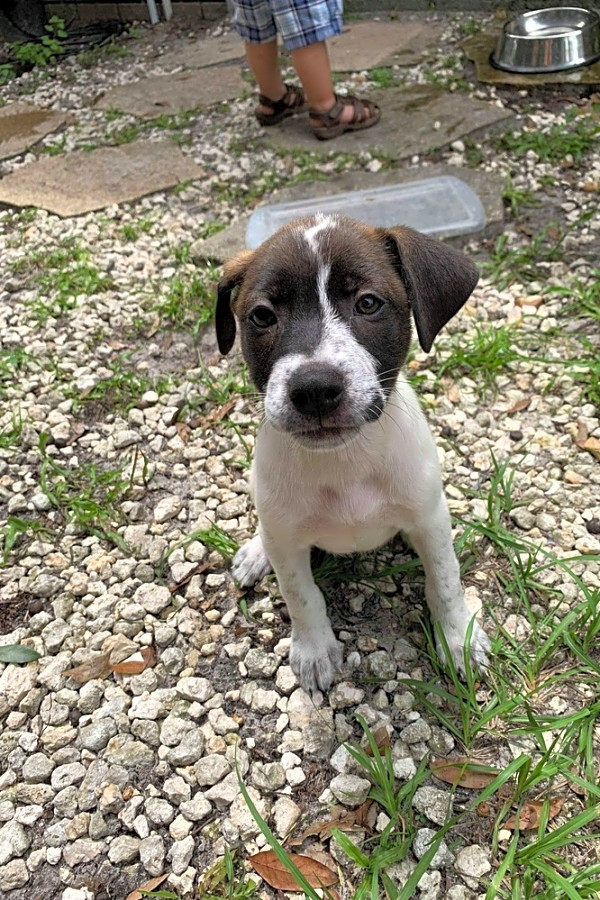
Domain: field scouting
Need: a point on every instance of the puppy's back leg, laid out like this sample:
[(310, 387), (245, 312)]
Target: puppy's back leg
[(251, 562)]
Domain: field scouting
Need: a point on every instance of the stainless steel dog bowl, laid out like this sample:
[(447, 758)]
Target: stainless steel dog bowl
[(548, 40)]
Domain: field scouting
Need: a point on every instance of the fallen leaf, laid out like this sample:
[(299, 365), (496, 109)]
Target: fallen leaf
[(97, 667), (467, 773), (519, 406), (18, 653), (269, 867), (147, 886), (529, 815), (183, 431), (382, 739), (532, 300), (137, 662), (582, 434), (218, 414), (342, 819)]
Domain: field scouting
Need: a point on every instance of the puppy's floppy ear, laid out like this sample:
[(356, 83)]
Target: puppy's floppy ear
[(233, 275), (437, 278)]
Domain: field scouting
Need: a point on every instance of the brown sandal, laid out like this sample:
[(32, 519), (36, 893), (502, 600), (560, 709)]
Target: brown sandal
[(331, 125), (292, 102)]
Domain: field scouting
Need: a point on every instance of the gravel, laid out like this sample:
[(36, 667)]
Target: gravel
[(126, 776)]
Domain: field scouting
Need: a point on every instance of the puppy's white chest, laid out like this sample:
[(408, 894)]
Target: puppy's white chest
[(357, 518)]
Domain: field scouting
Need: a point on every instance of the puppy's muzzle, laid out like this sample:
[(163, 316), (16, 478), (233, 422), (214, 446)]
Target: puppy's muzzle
[(316, 392)]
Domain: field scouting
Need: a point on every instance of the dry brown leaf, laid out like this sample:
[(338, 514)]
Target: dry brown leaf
[(218, 414), (183, 431), (269, 867), (147, 886), (382, 739), (519, 406), (137, 662), (535, 300), (97, 667), (582, 434), (529, 817), (341, 818), (463, 772)]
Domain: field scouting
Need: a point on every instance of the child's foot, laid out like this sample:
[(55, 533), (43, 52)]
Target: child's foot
[(348, 113), (272, 112)]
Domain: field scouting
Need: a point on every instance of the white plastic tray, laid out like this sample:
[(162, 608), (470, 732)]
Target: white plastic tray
[(443, 206)]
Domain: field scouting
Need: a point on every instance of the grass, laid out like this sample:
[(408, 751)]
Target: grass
[(485, 354), (88, 495), (189, 299), (123, 388), (575, 138), (60, 275)]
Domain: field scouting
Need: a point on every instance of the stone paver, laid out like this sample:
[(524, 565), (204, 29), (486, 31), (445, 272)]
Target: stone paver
[(172, 94), (366, 45), (79, 182), (416, 119), (23, 125), (202, 52)]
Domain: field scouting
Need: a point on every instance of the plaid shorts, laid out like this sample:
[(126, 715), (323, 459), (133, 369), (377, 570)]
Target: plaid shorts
[(299, 22)]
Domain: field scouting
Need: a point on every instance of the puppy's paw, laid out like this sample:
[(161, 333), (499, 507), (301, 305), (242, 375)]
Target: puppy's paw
[(250, 563), (456, 639), (315, 658)]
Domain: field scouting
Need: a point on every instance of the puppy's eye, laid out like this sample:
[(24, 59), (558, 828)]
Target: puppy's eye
[(262, 317), (368, 305)]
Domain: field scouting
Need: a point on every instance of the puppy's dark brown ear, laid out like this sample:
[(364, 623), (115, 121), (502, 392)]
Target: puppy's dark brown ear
[(233, 275), (438, 279)]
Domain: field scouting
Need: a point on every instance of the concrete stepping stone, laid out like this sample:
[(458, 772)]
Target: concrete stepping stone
[(414, 120), (80, 182), (203, 52), (368, 45), (172, 94), (478, 48), (22, 125), (488, 187)]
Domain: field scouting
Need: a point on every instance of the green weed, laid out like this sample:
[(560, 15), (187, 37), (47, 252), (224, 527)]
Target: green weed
[(487, 353), (88, 496), (382, 77), (225, 880), (189, 299), (14, 528), (516, 198), (45, 50), (576, 137)]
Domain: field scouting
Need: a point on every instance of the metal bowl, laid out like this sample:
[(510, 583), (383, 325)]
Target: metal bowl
[(548, 40)]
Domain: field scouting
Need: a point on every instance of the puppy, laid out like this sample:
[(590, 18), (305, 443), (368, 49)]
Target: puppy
[(344, 458)]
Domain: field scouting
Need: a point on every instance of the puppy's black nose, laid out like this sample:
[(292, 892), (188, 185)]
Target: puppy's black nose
[(316, 392)]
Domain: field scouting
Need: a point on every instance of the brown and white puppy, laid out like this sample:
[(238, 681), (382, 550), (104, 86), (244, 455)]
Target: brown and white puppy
[(344, 458)]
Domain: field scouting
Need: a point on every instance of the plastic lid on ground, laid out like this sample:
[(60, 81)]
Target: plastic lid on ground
[(443, 206)]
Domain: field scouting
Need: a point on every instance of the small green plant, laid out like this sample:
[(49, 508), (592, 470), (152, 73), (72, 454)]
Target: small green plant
[(515, 198), (7, 73), (14, 528), (88, 495), (189, 299), (382, 77), (488, 352), (43, 51), (226, 880), (576, 137)]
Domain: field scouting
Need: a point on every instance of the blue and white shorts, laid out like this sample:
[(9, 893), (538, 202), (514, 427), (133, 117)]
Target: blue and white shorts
[(299, 22)]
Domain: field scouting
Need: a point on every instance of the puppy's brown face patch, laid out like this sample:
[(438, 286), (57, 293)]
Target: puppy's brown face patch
[(324, 316)]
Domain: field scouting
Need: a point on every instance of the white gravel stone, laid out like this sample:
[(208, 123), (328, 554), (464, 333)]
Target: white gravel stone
[(433, 803), (351, 790), (421, 843), (211, 769), (153, 597), (152, 854), (473, 864)]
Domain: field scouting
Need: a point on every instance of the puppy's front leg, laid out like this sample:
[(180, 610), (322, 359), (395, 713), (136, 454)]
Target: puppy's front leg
[(315, 654), (432, 539)]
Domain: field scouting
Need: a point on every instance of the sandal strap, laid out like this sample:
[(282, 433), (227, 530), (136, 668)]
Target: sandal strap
[(330, 118), (293, 98)]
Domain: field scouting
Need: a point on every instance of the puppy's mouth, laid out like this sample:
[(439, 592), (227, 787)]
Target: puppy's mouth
[(327, 437)]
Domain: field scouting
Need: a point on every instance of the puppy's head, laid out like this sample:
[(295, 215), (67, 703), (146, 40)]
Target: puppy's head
[(324, 308)]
